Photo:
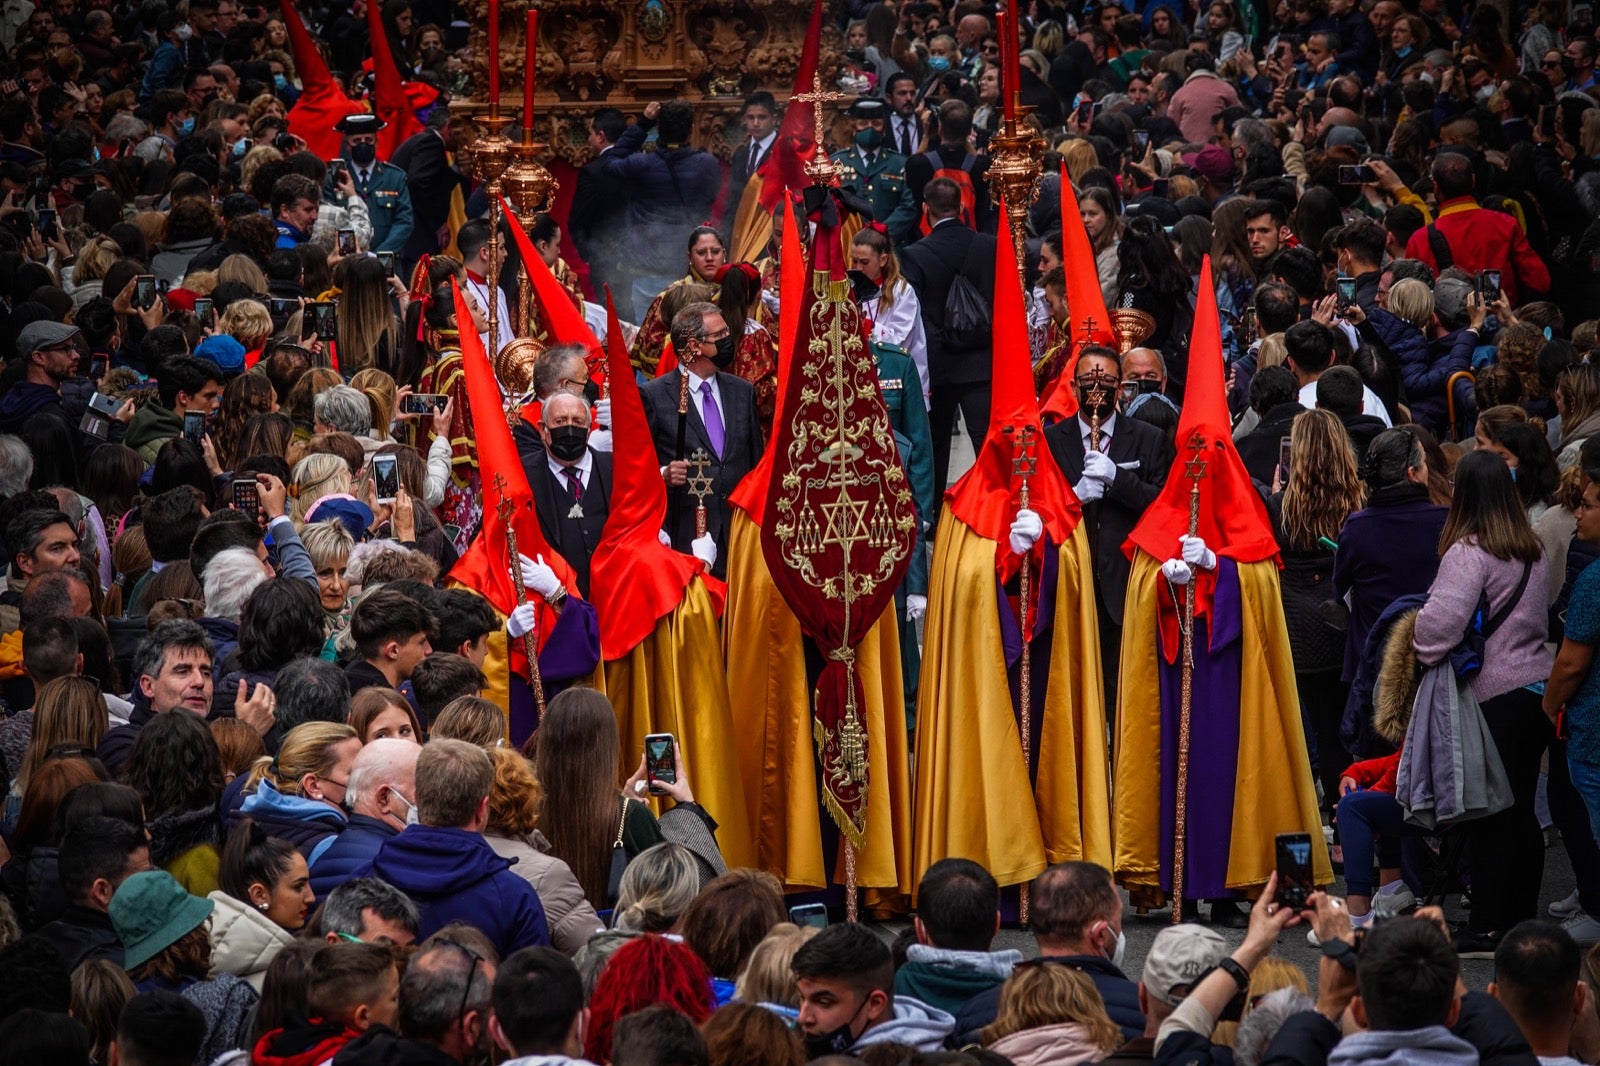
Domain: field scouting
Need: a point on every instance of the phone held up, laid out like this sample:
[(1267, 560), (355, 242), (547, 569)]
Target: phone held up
[(660, 762), (1294, 869)]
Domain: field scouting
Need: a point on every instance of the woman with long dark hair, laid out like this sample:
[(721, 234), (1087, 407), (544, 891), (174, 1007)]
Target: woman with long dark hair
[(1488, 551), (1151, 279), (756, 357), (177, 769), (1526, 451)]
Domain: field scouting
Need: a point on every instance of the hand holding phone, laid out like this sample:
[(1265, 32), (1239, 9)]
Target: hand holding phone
[(1294, 869), (385, 477), (660, 762), (144, 292), (194, 427)]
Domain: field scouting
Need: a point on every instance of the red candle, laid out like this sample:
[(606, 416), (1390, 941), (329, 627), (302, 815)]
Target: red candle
[(1008, 87), (531, 64), (494, 51)]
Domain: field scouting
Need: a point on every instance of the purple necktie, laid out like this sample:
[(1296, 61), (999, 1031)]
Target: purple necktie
[(712, 417)]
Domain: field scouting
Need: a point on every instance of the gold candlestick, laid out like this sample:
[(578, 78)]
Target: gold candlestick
[(529, 187), (491, 157), (1016, 155)]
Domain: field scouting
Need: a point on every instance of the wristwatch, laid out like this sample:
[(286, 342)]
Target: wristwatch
[(1340, 951), (1231, 967)]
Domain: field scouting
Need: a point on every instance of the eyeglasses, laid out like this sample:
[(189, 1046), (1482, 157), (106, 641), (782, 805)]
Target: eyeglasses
[(1550, 64), (712, 338), (472, 970)]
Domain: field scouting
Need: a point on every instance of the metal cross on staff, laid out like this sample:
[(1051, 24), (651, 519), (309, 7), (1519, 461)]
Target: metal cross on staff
[(699, 486), (1096, 399), (530, 640), (1195, 471), (821, 169), (1024, 464)]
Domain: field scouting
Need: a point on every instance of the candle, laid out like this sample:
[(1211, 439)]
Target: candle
[(531, 64), (1008, 88), (494, 51)]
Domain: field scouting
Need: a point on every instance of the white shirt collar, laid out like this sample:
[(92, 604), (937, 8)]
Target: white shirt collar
[(766, 142), (1107, 427), (583, 466)]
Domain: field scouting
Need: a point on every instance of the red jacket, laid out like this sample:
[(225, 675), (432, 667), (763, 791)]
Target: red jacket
[(1377, 774), (1480, 239)]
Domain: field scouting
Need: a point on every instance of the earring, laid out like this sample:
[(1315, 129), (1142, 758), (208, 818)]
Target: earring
[(262, 906)]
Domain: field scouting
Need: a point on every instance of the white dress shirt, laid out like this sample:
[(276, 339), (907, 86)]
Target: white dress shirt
[(504, 327), (699, 400), (584, 466), (1108, 425), (1370, 404), (901, 323)]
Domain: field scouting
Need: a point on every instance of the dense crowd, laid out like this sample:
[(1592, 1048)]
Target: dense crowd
[(274, 792)]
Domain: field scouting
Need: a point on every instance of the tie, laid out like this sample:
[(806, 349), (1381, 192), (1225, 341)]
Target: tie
[(906, 144), (712, 417), (574, 483)]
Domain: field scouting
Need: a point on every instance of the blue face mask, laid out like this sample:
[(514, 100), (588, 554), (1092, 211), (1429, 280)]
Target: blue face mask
[(186, 127), (938, 64), (280, 82), (1401, 53)]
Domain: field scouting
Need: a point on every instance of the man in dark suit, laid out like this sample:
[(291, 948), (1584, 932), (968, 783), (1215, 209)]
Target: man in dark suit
[(1116, 484), (599, 204), (720, 421), (958, 366), (431, 179), (571, 483), (761, 133)]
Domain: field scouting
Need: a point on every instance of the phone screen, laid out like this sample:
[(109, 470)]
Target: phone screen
[(386, 260), (325, 318), (1283, 457), (47, 224), (1294, 869), (1491, 284), (1547, 121), (1347, 288), (105, 405), (1357, 174), (144, 292), (282, 308), (425, 403), (1141, 138), (347, 242), (386, 477), (202, 310), (245, 497), (194, 427), (659, 762), (1159, 187), (814, 915)]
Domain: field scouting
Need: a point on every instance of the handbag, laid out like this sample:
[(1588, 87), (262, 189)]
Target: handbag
[(619, 858), (966, 313), (1467, 656)]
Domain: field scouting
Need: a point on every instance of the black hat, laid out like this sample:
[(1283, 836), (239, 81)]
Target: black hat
[(868, 107), (364, 122)]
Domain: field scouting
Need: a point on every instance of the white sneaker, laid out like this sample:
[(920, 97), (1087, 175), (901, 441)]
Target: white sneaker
[(1389, 904), (1583, 928), (1566, 907), (1357, 921)]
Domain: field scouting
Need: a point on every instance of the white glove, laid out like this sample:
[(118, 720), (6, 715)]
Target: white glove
[(1026, 531), (704, 549), (666, 541), (1196, 554), (602, 413), (538, 577), (522, 620), (1099, 465), (1089, 489), (1177, 571), (916, 607), (600, 440)]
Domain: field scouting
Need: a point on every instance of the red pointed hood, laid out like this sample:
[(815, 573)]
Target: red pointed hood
[(750, 495), (636, 579), (566, 324), (1233, 520), (485, 568), (389, 98), (987, 496), (784, 171), (1088, 321), (321, 105)]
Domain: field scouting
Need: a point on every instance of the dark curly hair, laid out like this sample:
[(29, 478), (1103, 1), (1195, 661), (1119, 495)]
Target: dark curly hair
[(174, 765), (282, 620)]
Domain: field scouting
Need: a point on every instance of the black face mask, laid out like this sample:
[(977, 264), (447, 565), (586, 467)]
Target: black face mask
[(1106, 405), (836, 1041), (1147, 385), (362, 155), (591, 391), (726, 348), (567, 443)]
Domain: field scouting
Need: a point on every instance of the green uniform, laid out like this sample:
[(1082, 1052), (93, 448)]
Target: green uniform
[(908, 417), (883, 184), (388, 204)]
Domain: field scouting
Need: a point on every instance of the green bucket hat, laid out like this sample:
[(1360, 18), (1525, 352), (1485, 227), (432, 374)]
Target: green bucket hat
[(151, 912)]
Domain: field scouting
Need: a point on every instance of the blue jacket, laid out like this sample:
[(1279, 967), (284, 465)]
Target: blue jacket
[(1120, 995), (454, 875), (305, 823), (356, 847), (670, 191), (1424, 369)]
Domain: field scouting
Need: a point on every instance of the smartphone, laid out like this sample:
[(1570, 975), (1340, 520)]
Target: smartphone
[(202, 309), (814, 915), (660, 763), (194, 427), (1250, 324), (1489, 285), (1141, 140), (386, 477), (1159, 187), (1346, 286), (1283, 457), (339, 168), (1547, 121), (102, 404), (425, 403), (144, 291), (1294, 869), (246, 498), (1085, 112), (47, 223), (325, 319), (282, 308), (1357, 174), (386, 259), (347, 242), (1127, 392)]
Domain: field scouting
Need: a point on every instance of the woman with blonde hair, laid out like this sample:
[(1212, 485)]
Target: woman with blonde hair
[(382, 396), (329, 544), (657, 887), (1324, 489), (299, 793), (89, 270), (1578, 400), (248, 322), (1051, 1015), (513, 833), (68, 715), (317, 475), (894, 309), (244, 270), (368, 332), (472, 719), (767, 977), (1080, 157)]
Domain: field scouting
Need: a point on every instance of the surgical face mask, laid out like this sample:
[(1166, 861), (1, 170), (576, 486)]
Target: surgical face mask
[(186, 127), (938, 64), (185, 32), (280, 82), (363, 154), (1120, 950), (726, 347), (567, 443), (1484, 93), (1403, 52), (411, 808), (869, 139)]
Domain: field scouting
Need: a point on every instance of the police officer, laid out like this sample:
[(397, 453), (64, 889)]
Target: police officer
[(381, 185), (875, 173)]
